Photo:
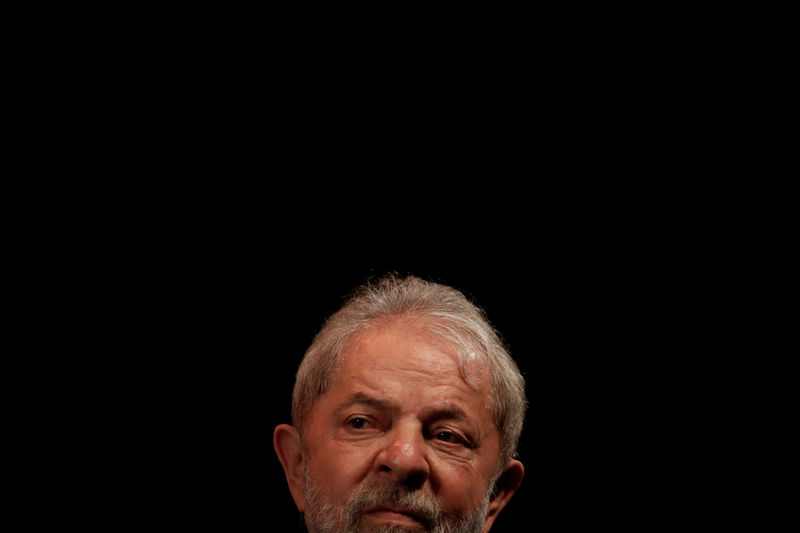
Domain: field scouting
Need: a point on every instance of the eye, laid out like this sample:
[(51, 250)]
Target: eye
[(449, 438), (358, 423)]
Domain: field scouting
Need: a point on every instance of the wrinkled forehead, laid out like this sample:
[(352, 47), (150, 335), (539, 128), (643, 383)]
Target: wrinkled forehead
[(417, 342)]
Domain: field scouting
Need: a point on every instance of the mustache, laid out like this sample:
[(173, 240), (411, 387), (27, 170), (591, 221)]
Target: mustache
[(424, 507)]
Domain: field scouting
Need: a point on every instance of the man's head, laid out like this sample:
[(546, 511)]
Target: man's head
[(407, 411)]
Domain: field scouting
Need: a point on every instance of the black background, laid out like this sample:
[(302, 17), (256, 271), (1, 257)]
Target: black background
[(609, 193), (651, 345)]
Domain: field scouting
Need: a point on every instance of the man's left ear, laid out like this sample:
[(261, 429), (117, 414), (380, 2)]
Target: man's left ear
[(504, 488)]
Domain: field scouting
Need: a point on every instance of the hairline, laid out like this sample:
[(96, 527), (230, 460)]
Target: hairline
[(409, 317)]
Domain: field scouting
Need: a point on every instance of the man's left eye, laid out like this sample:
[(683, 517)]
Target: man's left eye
[(448, 437)]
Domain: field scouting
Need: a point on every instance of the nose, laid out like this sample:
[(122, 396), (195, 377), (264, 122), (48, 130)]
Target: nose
[(403, 458)]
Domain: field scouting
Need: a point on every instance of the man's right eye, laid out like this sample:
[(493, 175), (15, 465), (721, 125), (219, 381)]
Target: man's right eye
[(357, 423)]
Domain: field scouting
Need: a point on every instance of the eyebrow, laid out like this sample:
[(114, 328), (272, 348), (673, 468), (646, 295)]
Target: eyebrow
[(450, 412), (453, 413), (370, 401)]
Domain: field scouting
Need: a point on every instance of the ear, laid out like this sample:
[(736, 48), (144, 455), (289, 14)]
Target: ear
[(504, 488), (289, 449)]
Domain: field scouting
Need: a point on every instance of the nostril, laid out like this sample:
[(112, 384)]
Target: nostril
[(414, 481), (385, 468)]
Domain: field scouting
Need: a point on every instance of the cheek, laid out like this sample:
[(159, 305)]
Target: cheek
[(336, 470), (463, 485), (458, 487)]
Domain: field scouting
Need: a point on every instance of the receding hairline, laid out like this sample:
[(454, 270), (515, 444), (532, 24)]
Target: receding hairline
[(424, 325)]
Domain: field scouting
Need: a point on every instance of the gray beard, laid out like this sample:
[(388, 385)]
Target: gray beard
[(323, 517)]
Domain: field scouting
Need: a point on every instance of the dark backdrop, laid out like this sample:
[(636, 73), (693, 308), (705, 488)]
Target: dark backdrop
[(613, 208), (655, 380), (651, 345)]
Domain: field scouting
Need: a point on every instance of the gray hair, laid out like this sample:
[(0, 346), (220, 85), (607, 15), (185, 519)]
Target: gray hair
[(449, 314)]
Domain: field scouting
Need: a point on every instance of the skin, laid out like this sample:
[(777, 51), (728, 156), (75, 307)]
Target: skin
[(400, 410)]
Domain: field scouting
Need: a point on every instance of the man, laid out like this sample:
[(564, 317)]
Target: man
[(407, 410)]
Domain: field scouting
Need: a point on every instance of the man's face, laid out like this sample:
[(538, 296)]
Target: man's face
[(400, 441)]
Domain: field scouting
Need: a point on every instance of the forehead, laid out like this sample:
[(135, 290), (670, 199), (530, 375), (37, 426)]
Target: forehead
[(406, 359)]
